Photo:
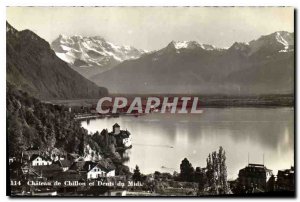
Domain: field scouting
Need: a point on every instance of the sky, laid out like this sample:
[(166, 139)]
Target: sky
[(152, 28)]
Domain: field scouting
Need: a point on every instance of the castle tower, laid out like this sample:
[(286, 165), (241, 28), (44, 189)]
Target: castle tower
[(116, 129)]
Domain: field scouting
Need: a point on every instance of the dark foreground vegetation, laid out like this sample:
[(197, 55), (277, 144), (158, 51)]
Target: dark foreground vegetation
[(31, 123)]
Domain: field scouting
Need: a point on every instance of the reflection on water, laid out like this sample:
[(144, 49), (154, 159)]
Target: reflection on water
[(161, 141)]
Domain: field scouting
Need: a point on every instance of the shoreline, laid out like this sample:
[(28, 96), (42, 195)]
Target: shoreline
[(206, 101)]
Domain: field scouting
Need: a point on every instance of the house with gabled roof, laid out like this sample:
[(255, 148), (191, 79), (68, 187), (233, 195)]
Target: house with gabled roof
[(99, 171), (94, 170), (39, 160)]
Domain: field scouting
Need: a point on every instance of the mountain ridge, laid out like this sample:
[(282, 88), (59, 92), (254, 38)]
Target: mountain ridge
[(91, 55), (262, 66), (33, 67)]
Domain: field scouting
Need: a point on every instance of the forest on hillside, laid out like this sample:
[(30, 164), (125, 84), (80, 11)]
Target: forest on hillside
[(33, 123)]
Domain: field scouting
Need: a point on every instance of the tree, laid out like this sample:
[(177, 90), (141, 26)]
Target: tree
[(136, 174), (157, 175), (200, 178), (31, 122), (51, 139), (186, 171), (15, 136), (222, 170), (217, 172)]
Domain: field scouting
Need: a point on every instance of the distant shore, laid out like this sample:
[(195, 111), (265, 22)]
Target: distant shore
[(206, 101)]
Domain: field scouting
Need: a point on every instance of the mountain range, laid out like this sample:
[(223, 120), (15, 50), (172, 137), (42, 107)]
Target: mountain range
[(92, 55), (262, 66), (32, 66)]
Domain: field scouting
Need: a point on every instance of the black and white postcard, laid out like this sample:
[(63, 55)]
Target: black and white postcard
[(150, 101)]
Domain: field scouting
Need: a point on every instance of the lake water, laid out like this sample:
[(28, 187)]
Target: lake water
[(161, 141)]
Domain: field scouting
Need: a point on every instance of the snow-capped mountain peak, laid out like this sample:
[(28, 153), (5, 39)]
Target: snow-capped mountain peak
[(208, 47), (190, 45), (280, 41), (92, 51), (180, 44), (284, 39)]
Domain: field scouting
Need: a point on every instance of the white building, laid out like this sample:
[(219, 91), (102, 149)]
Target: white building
[(98, 171), (127, 141), (37, 160)]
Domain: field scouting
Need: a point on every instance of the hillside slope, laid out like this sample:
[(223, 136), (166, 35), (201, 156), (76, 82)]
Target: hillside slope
[(33, 67)]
